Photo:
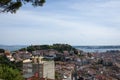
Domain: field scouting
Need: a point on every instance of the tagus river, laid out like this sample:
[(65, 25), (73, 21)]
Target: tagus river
[(97, 48)]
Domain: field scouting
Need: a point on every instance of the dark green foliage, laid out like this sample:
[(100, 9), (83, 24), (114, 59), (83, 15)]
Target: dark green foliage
[(62, 47), (5, 61), (58, 47), (10, 70), (44, 47), (13, 5), (38, 2), (31, 48), (23, 49), (2, 50), (4, 2), (18, 65), (100, 61), (8, 73)]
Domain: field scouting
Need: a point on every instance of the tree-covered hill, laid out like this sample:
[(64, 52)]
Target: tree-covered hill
[(58, 47)]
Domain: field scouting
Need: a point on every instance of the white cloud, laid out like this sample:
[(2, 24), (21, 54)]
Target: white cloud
[(92, 26), (101, 12)]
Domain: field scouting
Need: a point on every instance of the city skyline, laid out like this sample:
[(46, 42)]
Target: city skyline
[(72, 22)]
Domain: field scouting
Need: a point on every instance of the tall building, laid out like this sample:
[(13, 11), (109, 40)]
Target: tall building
[(27, 69), (44, 68)]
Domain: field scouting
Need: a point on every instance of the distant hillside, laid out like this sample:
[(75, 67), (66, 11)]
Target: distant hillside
[(58, 47), (84, 48), (97, 47), (12, 47)]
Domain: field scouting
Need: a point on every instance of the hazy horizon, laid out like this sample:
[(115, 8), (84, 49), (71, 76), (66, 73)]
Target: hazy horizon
[(74, 22), (58, 43), (83, 48)]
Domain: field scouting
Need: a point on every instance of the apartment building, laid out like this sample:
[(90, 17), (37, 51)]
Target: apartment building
[(38, 65)]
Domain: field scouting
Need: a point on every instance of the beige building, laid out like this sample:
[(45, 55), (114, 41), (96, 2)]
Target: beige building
[(44, 68)]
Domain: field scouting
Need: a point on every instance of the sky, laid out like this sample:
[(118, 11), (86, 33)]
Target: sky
[(74, 22)]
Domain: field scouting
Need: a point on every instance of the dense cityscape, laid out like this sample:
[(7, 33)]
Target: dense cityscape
[(59, 62), (60, 40)]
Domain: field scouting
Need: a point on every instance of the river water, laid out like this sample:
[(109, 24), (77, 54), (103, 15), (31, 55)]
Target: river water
[(96, 49)]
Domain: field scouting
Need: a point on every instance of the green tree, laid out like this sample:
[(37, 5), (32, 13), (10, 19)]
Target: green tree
[(23, 49), (15, 65), (13, 5), (31, 48), (2, 50), (8, 73), (63, 47)]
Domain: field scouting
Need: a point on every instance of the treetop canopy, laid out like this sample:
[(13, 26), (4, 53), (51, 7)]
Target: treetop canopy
[(13, 5)]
